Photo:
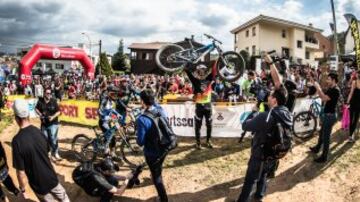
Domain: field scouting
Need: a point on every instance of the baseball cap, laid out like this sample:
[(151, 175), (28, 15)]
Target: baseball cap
[(21, 108)]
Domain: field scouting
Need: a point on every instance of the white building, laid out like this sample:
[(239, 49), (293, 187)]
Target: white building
[(290, 39)]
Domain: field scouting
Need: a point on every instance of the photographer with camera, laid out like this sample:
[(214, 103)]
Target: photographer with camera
[(100, 179), (260, 165), (48, 110)]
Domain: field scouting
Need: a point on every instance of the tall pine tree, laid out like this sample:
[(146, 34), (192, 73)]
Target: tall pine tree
[(105, 65), (119, 58)]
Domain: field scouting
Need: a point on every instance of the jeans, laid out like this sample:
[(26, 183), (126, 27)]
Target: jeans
[(51, 133), (10, 186), (203, 110), (328, 121), (256, 173), (156, 170)]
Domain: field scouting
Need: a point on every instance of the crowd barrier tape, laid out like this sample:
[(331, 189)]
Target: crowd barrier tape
[(226, 118)]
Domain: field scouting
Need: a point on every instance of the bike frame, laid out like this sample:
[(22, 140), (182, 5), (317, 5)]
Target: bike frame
[(315, 108), (205, 50)]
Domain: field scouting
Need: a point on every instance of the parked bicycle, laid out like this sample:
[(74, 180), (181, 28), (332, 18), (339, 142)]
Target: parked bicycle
[(306, 122), (126, 147), (172, 58)]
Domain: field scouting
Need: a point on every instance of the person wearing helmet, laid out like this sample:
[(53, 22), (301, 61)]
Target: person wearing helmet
[(126, 91), (202, 79), (107, 101)]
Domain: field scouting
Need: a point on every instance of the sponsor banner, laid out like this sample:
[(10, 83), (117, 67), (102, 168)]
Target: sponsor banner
[(226, 119), (79, 112), (354, 28)]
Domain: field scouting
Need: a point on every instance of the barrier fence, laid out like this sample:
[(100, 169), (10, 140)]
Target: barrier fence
[(226, 118)]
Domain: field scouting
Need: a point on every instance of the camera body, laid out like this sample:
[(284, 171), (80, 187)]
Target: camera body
[(135, 179)]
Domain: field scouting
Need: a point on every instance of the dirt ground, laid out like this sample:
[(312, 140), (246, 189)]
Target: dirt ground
[(218, 174)]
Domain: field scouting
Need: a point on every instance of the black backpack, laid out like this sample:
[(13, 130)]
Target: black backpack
[(82, 176), (278, 142), (166, 136)]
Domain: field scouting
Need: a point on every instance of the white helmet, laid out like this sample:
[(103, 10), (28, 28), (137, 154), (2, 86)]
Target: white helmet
[(201, 71)]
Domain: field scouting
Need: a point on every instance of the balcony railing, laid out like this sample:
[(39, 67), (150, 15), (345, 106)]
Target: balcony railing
[(312, 40)]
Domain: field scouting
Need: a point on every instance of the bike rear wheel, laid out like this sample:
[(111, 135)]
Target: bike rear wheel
[(131, 152), (230, 66), (166, 58), (305, 124), (83, 148)]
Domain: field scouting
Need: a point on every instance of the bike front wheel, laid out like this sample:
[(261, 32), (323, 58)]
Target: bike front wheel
[(305, 124), (83, 148), (167, 58), (131, 152), (230, 66)]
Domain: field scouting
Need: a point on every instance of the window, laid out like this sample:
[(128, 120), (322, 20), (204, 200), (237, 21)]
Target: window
[(253, 50), (133, 55), (48, 65), (59, 66), (247, 33), (299, 44), (39, 64), (323, 47), (254, 31), (307, 55), (283, 33), (247, 49)]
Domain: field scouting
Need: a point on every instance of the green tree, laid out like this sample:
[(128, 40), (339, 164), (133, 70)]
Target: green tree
[(119, 58), (105, 65)]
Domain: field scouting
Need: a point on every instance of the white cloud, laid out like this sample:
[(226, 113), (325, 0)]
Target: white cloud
[(146, 21)]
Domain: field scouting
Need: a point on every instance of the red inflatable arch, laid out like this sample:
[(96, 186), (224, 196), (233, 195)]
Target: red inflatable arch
[(41, 51)]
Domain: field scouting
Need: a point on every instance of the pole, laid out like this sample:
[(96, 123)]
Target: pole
[(99, 57), (335, 32)]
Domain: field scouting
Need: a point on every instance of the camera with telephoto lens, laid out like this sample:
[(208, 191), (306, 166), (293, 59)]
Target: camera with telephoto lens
[(278, 61), (135, 178)]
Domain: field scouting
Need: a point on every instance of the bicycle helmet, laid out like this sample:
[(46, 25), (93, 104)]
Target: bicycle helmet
[(201, 71)]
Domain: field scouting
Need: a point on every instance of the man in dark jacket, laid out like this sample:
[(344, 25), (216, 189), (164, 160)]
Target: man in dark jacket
[(146, 136), (258, 169)]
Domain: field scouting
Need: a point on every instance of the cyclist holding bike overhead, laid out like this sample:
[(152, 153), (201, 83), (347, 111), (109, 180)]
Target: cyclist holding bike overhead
[(202, 79)]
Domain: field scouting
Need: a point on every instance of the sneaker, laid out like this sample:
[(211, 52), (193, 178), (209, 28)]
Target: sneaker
[(351, 139), (198, 146), (320, 160), (57, 157), (209, 144)]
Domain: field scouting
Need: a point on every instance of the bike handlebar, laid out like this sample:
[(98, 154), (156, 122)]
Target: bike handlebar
[(213, 38)]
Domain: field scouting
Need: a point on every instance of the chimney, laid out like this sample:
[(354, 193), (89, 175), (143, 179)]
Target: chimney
[(310, 24)]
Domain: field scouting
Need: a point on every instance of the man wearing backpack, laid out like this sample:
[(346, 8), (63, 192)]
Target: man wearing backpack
[(148, 136), (259, 164)]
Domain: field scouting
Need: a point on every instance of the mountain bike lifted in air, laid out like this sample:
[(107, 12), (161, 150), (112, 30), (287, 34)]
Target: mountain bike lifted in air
[(172, 58)]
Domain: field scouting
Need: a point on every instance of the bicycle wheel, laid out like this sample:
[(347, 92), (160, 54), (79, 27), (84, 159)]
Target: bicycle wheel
[(230, 66), (305, 124), (83, 148), (166, 58), (131, 152)]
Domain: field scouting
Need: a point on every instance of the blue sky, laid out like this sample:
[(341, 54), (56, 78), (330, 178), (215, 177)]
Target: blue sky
[(24, 22)]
